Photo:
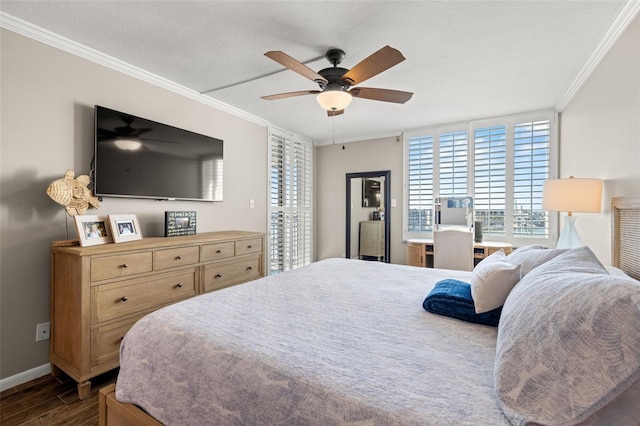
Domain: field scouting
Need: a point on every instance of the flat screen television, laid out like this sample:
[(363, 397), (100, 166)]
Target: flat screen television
[(140, 158)]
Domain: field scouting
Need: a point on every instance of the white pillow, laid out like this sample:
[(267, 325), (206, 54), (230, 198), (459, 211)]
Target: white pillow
[(568, 341), (492, 280)]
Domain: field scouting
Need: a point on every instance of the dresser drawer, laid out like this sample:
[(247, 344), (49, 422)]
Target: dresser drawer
[(171, 258), (105, 341), (124, 265), (220, 276), (253, 245), (217, 251), (110, 301)]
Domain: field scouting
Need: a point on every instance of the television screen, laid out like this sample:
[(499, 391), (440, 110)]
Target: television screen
[(140, 158)]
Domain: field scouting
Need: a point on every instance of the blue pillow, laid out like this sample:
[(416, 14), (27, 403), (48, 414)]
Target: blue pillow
[(452, 298)]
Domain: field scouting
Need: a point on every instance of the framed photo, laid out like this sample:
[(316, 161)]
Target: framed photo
[(179, 223), (93, 230), (125, 227)]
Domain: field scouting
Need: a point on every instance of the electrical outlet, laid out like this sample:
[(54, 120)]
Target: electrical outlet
[(43, 331), (252, 204)]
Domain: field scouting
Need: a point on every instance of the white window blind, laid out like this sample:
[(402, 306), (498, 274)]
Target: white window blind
[(291, 195), (531, 167), (420, 183), (490, 179), (502, 167), (453, 164)]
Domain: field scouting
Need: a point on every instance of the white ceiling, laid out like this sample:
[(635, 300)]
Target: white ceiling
[(464, 59)]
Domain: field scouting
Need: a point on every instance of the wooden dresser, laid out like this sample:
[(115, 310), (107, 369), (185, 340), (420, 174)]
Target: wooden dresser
[(372, 239), (99, 292)]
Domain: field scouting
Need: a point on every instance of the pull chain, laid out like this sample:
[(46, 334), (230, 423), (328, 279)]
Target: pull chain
[(333, 121)]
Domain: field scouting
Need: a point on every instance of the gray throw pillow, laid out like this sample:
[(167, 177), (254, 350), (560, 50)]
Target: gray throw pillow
[(530, 257), (568, 341)]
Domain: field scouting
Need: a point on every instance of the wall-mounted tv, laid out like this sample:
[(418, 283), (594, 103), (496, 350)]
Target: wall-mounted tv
[(140, 158)]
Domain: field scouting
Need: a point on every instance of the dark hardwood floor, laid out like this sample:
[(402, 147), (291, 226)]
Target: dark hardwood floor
[(51, 401)]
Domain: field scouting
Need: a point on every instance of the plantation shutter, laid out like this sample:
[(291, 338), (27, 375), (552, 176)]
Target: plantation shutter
[(302, 162), (291, 194), (490, 179), (420, 183), (531, 168), (453, 164)]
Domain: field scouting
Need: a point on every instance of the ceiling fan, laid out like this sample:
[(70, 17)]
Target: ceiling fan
[(335, 82), (122, 131), (126, 137)]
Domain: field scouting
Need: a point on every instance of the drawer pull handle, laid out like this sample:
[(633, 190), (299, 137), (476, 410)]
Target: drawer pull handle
[(218, 276), (179, 285), (218, 251), (249, 268), (178, 257), (124, 298), (124, 265), (249, 246)]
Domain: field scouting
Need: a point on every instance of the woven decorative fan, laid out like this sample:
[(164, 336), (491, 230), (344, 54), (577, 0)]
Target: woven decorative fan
[(73, 194)]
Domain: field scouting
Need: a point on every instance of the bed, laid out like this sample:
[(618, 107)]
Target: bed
[(348, 342)]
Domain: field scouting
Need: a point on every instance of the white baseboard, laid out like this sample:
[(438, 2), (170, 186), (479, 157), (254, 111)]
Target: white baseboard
[(24, 377)]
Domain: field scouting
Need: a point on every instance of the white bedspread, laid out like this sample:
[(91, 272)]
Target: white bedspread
[(336, 342)]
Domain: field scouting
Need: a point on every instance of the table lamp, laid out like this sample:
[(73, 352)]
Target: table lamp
[(571, 195)]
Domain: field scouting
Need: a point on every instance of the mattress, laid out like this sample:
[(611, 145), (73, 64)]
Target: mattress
[(336, 342)]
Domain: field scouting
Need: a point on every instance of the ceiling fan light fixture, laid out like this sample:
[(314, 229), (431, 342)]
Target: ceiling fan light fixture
[(128, 144), (334, 100)]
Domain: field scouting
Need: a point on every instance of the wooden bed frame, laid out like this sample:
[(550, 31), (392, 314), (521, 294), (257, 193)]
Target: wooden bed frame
[(625, 246)]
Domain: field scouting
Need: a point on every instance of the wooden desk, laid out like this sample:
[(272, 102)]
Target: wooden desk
[(420, 251)]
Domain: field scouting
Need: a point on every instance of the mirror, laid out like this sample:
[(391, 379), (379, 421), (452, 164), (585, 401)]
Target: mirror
[(454, 211), (367, 216)]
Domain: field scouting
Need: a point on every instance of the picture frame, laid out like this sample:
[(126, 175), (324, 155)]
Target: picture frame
[(179, 223), (125, 227), (370, 193), (93, 230)]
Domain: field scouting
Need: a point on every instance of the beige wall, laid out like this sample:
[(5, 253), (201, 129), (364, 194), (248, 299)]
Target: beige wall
[(600, 135), (333, 163), (47, 127)]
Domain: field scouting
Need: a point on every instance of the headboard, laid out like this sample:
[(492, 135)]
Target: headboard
[(625, 234)]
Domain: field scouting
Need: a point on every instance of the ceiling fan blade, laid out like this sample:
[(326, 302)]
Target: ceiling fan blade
[(332, 113), (135, 133), (379, 61), (294, 65), (289, 94), (385, 95)]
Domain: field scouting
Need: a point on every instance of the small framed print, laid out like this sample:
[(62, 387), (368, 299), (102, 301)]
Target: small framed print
[(179, 223), (93, 230), (125, 227)]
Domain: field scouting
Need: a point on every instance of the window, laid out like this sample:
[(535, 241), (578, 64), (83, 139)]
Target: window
[(290, 195), (500, 162)]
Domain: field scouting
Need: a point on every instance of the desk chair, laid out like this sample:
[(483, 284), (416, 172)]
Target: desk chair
[(453, 249)]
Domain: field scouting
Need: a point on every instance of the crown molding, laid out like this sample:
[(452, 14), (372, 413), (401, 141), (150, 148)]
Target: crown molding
[(34, 32), (627, 14)]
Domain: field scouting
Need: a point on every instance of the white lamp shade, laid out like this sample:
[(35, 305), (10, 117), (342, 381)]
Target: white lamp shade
[(334, 100), (572, 195)]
